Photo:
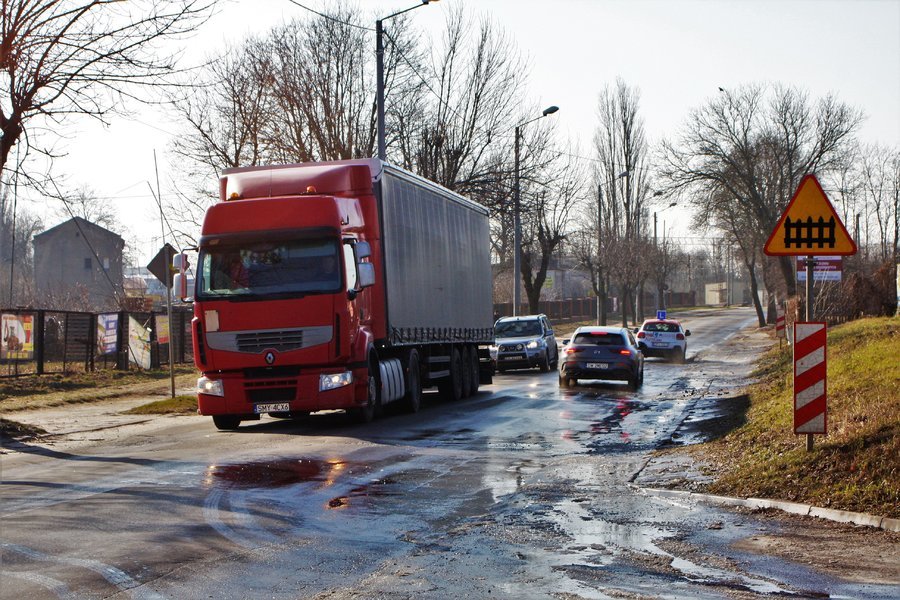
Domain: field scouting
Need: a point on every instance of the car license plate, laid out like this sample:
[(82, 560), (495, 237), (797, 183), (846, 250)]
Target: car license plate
[(660, 344), (597, 365), (509, 358), (268, 408)]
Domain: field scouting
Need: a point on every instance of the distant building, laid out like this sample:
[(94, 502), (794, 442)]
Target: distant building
[(79, 259)]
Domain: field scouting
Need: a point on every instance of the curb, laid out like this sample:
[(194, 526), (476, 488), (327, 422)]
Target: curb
[(839, 516)]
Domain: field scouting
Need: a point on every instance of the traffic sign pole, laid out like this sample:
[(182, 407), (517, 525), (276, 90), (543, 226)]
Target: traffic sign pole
[(810, 317)]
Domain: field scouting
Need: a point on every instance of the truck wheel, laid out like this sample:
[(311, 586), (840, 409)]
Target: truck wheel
[(226, 422), (451, 387), (367, 413), (413, 398), (476, 371), (465, 371)]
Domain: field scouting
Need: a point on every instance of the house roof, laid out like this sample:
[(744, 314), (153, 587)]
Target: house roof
[(83, 224)]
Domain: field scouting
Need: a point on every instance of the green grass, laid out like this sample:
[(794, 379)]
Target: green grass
[(179, 405), (856, 466)]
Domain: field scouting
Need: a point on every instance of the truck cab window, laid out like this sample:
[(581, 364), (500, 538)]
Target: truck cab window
[(304, 266)]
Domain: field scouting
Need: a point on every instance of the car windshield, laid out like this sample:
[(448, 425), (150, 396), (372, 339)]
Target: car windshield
[(599, 339), (662, 327), (509, 329), (269, 268)]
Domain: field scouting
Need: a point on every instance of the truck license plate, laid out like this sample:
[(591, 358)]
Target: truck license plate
[(597, 365), (267, 408)]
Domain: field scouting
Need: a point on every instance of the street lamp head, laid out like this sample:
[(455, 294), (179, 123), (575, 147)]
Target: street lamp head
[(550, 110)]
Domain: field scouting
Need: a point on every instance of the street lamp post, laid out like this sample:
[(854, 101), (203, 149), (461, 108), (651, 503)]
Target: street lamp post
[(517, 223), (379, 74), (660, 301)]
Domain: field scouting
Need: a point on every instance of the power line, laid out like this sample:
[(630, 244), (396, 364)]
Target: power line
[(330, 18)]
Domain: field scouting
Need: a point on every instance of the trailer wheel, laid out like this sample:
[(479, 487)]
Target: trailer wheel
[(226, 422), (451, 387), (465, 371), (474, 366), (413, 398)]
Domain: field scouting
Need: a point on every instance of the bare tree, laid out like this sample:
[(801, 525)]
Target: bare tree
[(754, 144), (62, 58), (546, 223), (621, 148), (472, 104)]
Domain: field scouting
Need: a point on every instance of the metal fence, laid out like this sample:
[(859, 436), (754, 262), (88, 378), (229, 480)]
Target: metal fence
[(51, 341), (575, 309)]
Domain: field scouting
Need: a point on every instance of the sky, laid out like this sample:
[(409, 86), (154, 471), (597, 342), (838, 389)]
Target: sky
[(677, 53)]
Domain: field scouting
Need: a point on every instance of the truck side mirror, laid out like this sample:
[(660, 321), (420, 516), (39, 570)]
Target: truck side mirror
[(179, 286), (366, 274), (180, 264), (363, 250)]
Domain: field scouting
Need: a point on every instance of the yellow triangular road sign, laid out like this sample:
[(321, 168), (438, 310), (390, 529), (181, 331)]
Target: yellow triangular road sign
[(809, 226)]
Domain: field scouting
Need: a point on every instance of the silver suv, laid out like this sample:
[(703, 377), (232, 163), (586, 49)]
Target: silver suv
[(523, 343)]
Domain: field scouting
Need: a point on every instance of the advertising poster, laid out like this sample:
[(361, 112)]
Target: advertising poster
[(162, 329), (138, 344), (106, 333), (18, 337)]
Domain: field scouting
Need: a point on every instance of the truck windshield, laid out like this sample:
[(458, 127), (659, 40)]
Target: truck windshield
[(269, 268), (508, 329)]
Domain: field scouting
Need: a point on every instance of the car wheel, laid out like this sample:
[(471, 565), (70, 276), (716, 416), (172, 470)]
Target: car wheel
[(545, 362), (226, 422), (678, 356), (565, 381)]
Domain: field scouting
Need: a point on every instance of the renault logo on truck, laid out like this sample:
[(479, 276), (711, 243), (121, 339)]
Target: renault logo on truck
[(270, 357)]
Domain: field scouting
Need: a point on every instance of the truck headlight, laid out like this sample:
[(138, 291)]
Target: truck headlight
[(210, 387), (332, 381)]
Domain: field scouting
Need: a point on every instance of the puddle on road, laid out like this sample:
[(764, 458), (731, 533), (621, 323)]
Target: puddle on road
[(598, 542), (279, 473)]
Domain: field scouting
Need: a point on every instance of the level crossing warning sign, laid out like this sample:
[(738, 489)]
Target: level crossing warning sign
[(809, 226), (810, 368)]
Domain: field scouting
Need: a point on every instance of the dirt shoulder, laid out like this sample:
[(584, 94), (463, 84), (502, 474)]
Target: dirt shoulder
[(853, 553)]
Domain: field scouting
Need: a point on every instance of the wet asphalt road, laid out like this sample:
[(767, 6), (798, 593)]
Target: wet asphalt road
[(525, 490)]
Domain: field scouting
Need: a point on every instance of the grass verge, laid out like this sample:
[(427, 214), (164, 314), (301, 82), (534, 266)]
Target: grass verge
[(856, 467), (179, 405)]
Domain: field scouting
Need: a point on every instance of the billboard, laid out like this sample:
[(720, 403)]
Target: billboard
[(17, 337), (107, 326), (138, 343)]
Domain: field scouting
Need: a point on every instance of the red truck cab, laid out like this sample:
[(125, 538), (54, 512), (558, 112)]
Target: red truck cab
[(285, 293)]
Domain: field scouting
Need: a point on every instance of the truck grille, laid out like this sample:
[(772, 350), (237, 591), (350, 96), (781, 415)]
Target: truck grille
[(257, 341)]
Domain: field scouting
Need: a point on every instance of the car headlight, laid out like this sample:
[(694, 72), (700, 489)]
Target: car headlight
[(493, 351), (210, 387), (332, 381), (535, 344)]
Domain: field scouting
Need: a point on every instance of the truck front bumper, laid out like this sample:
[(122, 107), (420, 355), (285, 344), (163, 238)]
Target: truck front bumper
[(298, 393)]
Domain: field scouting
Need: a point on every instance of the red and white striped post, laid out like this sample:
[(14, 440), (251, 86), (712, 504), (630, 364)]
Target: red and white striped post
[(810, 368), (779, 325)]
